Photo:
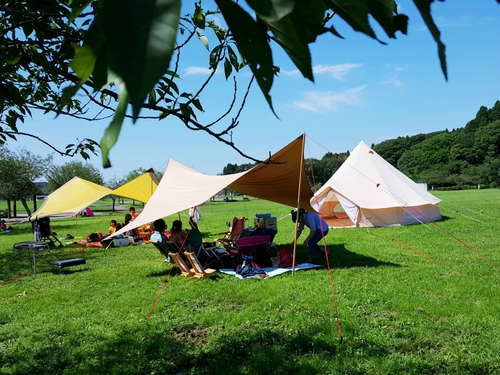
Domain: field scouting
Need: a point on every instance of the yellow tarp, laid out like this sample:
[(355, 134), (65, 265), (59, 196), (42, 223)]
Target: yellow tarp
[(140, 188), (71, 198)]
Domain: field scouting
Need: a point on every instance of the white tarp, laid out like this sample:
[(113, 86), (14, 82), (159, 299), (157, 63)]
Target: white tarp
[(180, 188)]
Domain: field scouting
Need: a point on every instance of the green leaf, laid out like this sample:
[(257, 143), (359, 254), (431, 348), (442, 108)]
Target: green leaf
[(199, 17), (11, 55), (152, 97), (67, 94), (204, 40), (84, 61), (113, 130), (355, 13), (424, 7), (214, 56), (77, 6), (233, 58), (141, 40), (91, 58), (297, 29), (197, 104), (252, 41), (227, 68), (383, 12), (272, 10)]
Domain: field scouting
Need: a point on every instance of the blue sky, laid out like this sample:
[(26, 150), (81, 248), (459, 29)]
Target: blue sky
[(363, 90)]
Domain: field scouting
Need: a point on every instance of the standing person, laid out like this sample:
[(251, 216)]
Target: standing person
[(194, 217), (318, 227)]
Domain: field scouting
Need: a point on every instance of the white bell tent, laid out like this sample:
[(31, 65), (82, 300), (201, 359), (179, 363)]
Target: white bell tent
[(367, 191)]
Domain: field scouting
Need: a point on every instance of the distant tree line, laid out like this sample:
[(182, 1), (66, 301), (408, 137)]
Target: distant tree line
[(20, 169), (458, 159)]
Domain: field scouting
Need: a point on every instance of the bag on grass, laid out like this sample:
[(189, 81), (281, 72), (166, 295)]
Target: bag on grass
[(286, 258)]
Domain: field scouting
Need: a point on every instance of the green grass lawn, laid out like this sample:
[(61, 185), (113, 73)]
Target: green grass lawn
[(400, 313)]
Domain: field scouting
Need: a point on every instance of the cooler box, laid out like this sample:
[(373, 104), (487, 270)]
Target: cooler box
[(266, 222), (117, 242)]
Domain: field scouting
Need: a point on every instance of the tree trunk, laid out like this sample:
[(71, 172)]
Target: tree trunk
[(25, 205), (113, 208)]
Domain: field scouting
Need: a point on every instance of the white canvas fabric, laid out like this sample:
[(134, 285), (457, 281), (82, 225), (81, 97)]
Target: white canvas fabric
[(180, 188), (368, 191)]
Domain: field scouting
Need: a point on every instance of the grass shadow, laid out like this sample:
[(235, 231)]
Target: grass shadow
[(340, 257), (140, 350)]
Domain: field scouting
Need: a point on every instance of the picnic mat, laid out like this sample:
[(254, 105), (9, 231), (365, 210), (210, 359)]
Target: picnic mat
[(272, 271)]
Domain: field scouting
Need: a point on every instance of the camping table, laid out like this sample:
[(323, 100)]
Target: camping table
[(32, 246)]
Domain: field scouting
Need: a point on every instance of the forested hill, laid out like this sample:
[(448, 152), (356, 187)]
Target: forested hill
[(460, 158), (457, 159)]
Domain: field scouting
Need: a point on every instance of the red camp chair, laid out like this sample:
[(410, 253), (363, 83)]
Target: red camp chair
[(233, 234)]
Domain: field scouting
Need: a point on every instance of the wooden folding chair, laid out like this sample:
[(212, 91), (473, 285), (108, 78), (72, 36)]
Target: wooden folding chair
[(199, 272), (185, 270), (165, 247)]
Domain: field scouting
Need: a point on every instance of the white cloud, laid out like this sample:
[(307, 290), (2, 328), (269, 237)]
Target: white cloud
[(197, 70), (335, 71), (395, 81), (325, 101)]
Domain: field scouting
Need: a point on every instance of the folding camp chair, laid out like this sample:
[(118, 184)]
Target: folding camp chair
[(185, 270), (166, 247), (46, 234), (232, 235), (199, 271), (206, 252)]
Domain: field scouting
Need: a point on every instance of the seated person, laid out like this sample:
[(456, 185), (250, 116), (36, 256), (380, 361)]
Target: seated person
[(113, 227), (133, 213), (179, 237), (160, 237), (4, 226), (128, 219), (159, 233)]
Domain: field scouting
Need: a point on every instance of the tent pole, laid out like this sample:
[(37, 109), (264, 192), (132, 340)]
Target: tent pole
[(298, 203)]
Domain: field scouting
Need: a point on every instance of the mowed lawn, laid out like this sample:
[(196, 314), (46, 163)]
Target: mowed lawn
[(421, 299)]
